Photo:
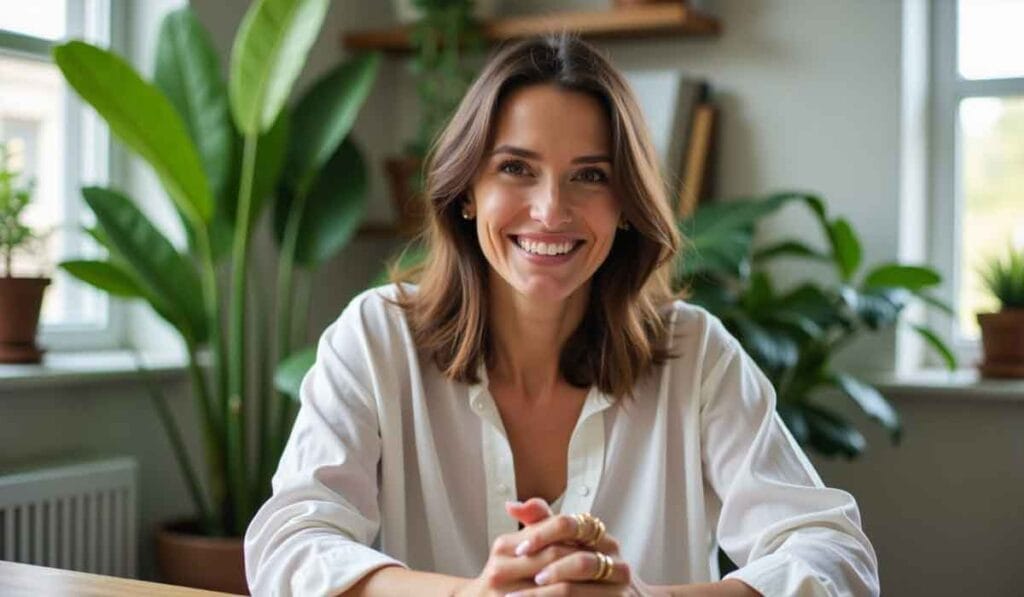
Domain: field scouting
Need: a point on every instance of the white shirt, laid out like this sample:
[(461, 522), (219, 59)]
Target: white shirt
[(391, 463)]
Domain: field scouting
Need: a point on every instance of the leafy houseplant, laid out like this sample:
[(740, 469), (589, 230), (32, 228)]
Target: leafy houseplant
[(20, 297), (794, 335), (224, 152), (442, 39), (1002, 332)]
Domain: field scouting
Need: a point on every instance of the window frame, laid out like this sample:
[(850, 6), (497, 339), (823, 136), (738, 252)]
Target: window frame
[(102, 22), (948, 88)]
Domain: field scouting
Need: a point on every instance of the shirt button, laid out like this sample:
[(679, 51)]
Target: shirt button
[(503, 489), (584, 490)]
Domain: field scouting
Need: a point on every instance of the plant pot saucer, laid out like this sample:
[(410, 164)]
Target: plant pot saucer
[(1001, 369), (17, 353)]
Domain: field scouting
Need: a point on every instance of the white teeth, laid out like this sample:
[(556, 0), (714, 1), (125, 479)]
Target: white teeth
[(546, 248)]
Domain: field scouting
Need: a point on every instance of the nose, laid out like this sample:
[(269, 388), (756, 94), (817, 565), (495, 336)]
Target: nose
[(549, 207)]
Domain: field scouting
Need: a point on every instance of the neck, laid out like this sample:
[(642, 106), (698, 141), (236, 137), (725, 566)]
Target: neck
[(528, 338)]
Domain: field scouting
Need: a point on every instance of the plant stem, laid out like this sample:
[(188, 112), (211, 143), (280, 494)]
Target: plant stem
[(214, 449), (236, 374), (211, 300), (285, 273), (209, 523), (264, 451)]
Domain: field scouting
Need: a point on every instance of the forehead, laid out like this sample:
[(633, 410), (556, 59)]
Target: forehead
[(551, 120)]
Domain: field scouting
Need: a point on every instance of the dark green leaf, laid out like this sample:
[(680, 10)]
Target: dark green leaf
[(155, 264), (795, 421), (894, 275), (937, 345), (832, 436), (324, 116), (846, 249), (290, 372), (270, 152), (771, 349), (789, 248), (105, 276), (870, 401), (937, 303)]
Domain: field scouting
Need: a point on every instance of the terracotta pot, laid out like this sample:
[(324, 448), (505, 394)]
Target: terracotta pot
[(20, 302), (189, 559), (409, 209), (1002, 337)]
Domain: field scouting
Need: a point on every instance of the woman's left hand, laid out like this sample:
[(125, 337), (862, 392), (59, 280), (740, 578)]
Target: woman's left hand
[(572, 574)]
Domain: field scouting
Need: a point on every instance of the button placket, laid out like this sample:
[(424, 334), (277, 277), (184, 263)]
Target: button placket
[(499, 474), (586, 455)]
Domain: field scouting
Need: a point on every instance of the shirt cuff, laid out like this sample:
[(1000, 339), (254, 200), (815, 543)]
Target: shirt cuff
[(336, 571), (780, 574)]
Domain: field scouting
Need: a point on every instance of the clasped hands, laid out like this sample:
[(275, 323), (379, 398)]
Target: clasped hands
[(545, 558)]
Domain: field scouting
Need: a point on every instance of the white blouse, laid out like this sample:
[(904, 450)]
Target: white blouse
[(391, 463)]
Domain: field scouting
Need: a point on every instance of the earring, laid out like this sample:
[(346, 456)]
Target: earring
[(466, 215), (623, 225)]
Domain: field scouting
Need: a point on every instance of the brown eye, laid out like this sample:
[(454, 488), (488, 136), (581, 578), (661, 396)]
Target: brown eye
[(513, 167), (594, 175)]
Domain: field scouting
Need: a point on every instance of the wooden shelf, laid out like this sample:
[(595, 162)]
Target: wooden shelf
[(632, 22)]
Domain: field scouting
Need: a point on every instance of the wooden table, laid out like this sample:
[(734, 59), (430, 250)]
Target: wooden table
[(17, 580)]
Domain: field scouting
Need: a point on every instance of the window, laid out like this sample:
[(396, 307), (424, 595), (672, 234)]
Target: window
[(60, 145), (978, 149)]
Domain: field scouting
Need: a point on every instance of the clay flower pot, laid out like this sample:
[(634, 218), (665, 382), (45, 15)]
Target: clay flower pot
[(1002, 337), (189, 559), (20, 302)]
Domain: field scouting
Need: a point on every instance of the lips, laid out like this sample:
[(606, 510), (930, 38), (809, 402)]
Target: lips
[(547, 248)]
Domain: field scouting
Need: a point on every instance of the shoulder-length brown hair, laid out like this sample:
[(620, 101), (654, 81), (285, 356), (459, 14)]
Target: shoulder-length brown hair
[(622, 332)]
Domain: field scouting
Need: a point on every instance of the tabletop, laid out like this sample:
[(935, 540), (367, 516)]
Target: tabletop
[(17, 580)]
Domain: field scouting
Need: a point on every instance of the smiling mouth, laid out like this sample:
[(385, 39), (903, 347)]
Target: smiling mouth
[(543, 249)]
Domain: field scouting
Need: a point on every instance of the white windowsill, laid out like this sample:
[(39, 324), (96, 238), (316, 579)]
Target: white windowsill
[(77, 368), (943, 384)]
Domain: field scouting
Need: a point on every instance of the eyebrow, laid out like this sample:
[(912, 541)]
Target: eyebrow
[(533, 155)]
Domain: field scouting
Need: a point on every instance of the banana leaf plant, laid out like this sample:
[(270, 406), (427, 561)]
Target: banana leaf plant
[(226, 152), (795, 334)]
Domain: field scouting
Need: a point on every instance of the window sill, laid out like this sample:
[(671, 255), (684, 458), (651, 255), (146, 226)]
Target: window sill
[(80, 368), (943, 384)]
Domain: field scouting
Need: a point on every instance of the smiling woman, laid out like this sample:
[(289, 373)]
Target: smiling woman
[(532, 409)]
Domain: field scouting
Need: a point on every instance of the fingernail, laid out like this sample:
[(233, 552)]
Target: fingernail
[(542, 578), (523, 548), (513, 503), (516, 594)]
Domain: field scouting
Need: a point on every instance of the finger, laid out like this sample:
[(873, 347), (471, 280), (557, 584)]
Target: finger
[(561, 528), (530, 512), (513, 568), (583, 566)]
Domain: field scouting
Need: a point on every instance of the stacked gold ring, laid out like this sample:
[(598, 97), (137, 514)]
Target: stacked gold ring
[(589, 529), (604, 568)]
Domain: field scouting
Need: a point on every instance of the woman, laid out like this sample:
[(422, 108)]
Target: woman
[(542, 357)]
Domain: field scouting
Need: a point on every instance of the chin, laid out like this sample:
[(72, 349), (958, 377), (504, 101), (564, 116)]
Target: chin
[(547, 290)]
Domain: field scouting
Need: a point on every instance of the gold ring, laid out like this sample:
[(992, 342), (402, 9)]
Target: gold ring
[(599, 532), (589, 529), (604, 567), (582, 526)]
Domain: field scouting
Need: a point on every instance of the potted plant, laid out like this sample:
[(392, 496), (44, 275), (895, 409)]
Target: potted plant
[(1002, 332), (443, 39), (794, 335), (21, 298), (227, 152)]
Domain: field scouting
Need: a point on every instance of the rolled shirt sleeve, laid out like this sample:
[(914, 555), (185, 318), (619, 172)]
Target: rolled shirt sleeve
[(789, 534), (312, 536)]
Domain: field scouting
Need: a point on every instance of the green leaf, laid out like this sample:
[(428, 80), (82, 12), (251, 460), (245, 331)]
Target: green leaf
[(831, 435), (333, 210), (143, 118), (290, 372), (188, 72), (269, 52), (846, 249), (324, 116), (937, 345), (155, 264), (759, 294), (877, 307), (811, 302), (937, 303), (796, 422), (270, 154), (105, 276), (870, 401), (894, 275), (788, 248), (773, 350)]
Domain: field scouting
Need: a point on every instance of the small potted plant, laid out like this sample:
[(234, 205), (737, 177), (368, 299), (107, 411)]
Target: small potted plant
[(1002, 332), (442, 39), (20, 297)]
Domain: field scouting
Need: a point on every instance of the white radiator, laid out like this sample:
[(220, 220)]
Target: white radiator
[(76, 516)]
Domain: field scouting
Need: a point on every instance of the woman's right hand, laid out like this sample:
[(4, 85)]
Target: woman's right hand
[(504, 571)]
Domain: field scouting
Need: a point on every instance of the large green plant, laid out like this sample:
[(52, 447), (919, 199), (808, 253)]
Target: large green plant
[(223, 152), (794, 335)]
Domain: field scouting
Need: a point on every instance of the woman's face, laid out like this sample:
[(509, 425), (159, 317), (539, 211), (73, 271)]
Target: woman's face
[(546, 213)]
